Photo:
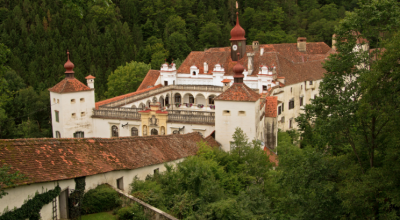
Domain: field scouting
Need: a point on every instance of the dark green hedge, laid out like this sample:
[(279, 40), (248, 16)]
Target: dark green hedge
[(102, 198), (31, 209)]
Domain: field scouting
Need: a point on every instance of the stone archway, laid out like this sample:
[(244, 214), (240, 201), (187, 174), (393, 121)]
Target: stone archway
[(154, 131)]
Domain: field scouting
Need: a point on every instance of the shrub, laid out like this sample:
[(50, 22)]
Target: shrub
[(134, 211), (102, 198)]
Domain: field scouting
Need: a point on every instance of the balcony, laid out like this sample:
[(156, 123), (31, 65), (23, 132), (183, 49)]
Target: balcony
[(115, 114)]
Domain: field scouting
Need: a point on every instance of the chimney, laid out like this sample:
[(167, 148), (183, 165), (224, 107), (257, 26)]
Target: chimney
[(205, 67), (250, 62), (255, 46), (301, 44), (334, 41), (226, 84), (90, 81), (261, 51)]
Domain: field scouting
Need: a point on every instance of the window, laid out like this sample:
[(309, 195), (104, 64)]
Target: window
[(279, 110), (177, 98), (191, 99), (242, 113), (57, 116), (58, 135), (283, 107), (83, 114), (165, 83), (114, 131), (154, 131), (265, 88), (301, 87), (291, 104), (173, 82), (211, 100), (58, 101), (301, 101), (283, 119), (134, 132), (73, 115), (72, 101), (310, 83), (315, 96), (54, 100), (290, 123), (291, 90), (194, 73), (120, 183), (79, 134), (156, 171), (226, 112), (82, 100)]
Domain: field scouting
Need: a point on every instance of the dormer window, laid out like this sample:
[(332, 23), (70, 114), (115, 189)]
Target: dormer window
[(310, 83)]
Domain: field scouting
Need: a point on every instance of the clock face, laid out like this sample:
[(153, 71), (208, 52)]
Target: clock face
[(234, 47)]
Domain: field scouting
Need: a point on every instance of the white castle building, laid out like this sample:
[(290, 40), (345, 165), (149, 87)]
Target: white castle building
[(259, 88)]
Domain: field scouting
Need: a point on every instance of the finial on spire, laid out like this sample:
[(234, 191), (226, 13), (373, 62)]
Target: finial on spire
[(237, 5)]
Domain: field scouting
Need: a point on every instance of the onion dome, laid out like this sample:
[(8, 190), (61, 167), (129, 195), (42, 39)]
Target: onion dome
[(237, 33), (238, 70), (69, 67)]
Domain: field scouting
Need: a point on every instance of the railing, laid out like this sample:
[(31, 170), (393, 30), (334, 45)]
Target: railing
[(191, 118), (182, 112), (163, 89), (116, 114), (121, 109)]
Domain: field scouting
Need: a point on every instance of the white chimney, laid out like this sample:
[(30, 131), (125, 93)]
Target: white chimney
[(261, 51), (90, 81), (301, 44), (205, 67)]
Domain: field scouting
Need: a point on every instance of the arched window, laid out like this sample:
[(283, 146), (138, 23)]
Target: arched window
[(134, 132), (162, 130), (191, 99), (211, 100), (58, 135), (114, 131), (194, 73), (154, 131), (177, 98)]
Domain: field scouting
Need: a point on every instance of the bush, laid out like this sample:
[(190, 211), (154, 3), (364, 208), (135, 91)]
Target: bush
[(102, 198), (134, 211)]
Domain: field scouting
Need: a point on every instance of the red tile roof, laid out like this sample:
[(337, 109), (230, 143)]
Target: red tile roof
[(49, 159), (285, 57), (90, 77), (238, 92), (69, 85), (100, 103), (271, 106), (150, 80)]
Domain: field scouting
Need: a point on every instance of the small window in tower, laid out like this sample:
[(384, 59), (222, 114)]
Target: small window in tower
[(242, 113), (72, 100), (82, 100), (73, 115), (226, 112), (54, 100), (310, 83), (82, 114), (57, 116)]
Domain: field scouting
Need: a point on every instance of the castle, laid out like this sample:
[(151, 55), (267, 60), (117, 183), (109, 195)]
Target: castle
[(260, 88)]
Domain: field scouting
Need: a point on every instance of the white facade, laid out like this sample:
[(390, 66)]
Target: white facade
[(74, 113), (17, 196)]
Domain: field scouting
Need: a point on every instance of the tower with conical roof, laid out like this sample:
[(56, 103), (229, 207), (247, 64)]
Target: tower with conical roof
[(238, 40)]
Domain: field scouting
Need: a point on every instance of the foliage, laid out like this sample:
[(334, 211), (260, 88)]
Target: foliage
[(133, 211), (126, 78), (99, 216), (213, 184), (31, 209), (75, 199), (102, 198), (8, 179)]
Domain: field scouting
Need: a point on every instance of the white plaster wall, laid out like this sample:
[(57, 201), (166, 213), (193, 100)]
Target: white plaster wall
[(67, 124), (16, 196), (204, 129), (298, 89), (225, 125), (103, 127)]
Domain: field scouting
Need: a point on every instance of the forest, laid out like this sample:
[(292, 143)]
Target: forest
[(103, 35)]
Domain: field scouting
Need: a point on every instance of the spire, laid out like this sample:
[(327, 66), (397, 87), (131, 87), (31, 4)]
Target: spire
[(237, 32), (69, 67), (238, 70)]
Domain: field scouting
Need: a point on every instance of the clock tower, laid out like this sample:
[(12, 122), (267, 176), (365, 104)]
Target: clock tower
[(238, 41)]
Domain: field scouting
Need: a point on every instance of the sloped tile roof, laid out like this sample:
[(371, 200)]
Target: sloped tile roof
[(69, 85), (100, 103), (238, 92), (50, 159), (295, 66), (271, 106), (150, 79)]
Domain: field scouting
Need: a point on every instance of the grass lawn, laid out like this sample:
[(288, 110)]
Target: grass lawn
[(100, 216)]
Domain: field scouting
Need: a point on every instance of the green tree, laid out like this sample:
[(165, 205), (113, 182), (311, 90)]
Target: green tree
[(126, 78)]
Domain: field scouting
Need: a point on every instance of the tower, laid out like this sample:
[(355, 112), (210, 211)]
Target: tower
[(238, 40), (71, 104)]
